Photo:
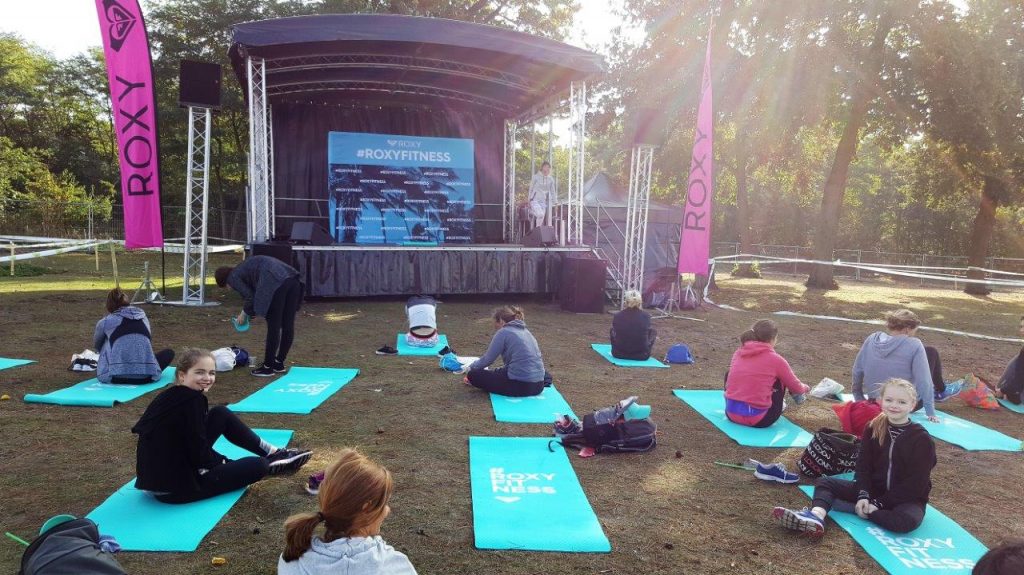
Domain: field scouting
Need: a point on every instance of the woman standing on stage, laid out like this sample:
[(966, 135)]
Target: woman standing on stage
[(541, 195)]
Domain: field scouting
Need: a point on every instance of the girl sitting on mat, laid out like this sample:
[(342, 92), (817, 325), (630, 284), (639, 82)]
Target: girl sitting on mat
[(523, 373), (175, 459), (895, 353), (893, 476), (758, 377), (124, 341), (353, 500), (632, 336), (1011, 384), (422, 313)]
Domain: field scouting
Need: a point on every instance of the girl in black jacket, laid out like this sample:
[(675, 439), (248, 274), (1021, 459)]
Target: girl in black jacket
[(893, 476), (632, 336), (175, 458)]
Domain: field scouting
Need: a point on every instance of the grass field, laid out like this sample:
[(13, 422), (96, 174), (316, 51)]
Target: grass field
[(669, 511)]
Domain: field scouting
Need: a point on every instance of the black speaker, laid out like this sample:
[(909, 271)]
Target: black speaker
[(540, 236), (281, 251), (310, 233), (199, 84), (645, 126), (582, 289)]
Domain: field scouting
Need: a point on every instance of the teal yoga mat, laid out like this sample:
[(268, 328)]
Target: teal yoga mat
[(301, 390), (6, 362), (543, 408), (1011, 406), (939, 545), (967, 434), (527, 497), (711, 404), (406, 349), (92, 393), (141, 523), (963, 433), (605, 349)]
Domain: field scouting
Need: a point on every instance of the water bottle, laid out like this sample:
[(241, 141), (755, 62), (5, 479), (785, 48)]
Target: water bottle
[(799, 398)]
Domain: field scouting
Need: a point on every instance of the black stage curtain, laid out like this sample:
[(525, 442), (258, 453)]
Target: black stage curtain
[(300, 155)]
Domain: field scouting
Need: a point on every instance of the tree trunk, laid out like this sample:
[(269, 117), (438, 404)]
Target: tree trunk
[(835, 185), (981, 234), (743, 214)]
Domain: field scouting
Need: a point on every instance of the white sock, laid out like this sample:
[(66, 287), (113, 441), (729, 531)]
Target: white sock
[(268, 448), (819, 512)]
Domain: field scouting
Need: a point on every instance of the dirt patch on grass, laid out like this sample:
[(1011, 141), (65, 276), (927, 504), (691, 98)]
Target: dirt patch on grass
[(663, 514)]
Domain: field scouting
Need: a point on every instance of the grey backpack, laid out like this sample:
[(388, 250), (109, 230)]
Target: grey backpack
[(71, 548)]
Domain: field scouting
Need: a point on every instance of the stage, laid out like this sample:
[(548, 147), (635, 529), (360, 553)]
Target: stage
[(359, 271)]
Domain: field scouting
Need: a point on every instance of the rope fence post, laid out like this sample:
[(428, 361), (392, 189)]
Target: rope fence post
[(12, 259)]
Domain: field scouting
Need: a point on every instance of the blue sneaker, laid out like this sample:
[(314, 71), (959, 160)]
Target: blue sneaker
[(803, 521), (953, 389), (775, 472)]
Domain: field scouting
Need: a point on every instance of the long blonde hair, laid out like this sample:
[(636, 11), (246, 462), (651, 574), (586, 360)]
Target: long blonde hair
[(353, 496), (880, 424)]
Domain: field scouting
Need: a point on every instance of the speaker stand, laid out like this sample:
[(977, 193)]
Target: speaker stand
[(147, 288), (667, 309)]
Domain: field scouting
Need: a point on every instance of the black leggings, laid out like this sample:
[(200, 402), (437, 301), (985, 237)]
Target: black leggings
[(775, 411), (281, 322), (497, 381), (230, 475), (842, 493), (935, 366), (164, 357)]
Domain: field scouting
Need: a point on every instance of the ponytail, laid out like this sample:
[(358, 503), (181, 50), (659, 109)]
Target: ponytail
[(298, 534), (747, 336), (763, 330), (880, 428), (508, 313)]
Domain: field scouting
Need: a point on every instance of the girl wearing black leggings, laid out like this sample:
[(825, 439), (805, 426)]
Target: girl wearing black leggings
[(270, 288), (175, 459)]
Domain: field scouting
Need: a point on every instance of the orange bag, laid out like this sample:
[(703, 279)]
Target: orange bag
[(977, 393)]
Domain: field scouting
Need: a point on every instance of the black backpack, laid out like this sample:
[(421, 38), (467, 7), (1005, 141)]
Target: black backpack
[(607, 431), (71, 548)]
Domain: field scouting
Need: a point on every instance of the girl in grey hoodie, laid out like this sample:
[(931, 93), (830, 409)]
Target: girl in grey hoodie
[(353, 501), (523, 374), (124, 343), (895, 354)]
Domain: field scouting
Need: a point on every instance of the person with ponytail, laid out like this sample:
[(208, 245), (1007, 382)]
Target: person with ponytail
[(523, 374), (124, 342), (893, 476), (896, 353), (758, 377), (632, 336), (353, 500)]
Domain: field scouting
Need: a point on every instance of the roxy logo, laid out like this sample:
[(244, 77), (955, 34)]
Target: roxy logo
[(121, 23), (404, 144), (519, 483)]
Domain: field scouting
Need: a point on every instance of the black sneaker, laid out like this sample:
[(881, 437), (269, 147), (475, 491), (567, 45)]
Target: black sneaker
[(279, 367), (263, 371), (288, 460), (387, 350)]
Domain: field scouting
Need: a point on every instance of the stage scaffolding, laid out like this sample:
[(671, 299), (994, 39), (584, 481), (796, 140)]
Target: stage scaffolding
[(636, 218), (261, 153)]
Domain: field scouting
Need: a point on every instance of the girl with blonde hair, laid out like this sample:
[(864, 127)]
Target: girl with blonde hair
[(893, 476), (632, 336), (353, 500)]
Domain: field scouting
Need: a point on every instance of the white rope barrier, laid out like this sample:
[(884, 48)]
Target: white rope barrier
[(53, 252), (877, 268), (923, 327)]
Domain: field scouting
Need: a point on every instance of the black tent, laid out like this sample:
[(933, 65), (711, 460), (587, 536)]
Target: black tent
[(604, 225)]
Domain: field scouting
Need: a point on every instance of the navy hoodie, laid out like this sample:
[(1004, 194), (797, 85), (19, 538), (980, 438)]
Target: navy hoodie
[(897, 471)]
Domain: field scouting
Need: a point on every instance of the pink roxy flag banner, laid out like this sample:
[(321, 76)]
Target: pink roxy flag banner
[(695, 247), (130, 73)]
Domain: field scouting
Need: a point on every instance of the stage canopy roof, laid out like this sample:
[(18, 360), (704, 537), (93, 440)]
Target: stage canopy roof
[(409, 61)]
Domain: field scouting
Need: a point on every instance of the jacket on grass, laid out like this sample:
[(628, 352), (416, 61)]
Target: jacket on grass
[(123, 341), (897, 471), (752, 373), (71, 548), (173, 446), (256, 279), (631, 335), (518, 350), (883, 356), (348, 556)]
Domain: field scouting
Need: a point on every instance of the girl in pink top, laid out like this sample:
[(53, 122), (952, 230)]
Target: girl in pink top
[(758, 378)]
